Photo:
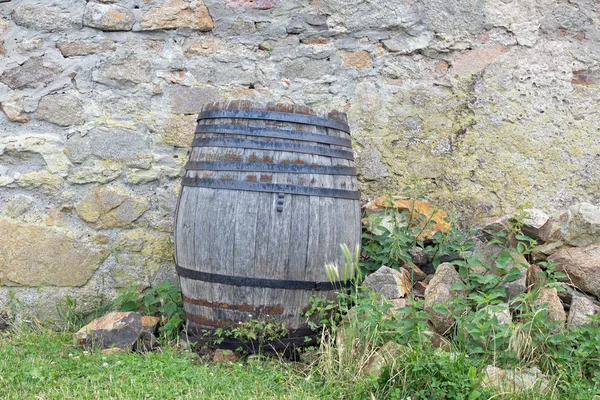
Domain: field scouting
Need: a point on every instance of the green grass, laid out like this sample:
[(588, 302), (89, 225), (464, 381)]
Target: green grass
[(41, 364)]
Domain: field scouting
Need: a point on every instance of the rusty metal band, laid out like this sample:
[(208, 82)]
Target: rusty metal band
[(259, 282), (275, 146), (270, 167), (275, 116), (270, 188), (273, 133), (248, 308)]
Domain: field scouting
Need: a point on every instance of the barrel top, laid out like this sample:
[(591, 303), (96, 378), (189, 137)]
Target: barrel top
[(276, 107)]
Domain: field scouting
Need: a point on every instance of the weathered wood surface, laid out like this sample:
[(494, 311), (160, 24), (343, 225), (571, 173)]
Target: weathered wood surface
[(241, 233)]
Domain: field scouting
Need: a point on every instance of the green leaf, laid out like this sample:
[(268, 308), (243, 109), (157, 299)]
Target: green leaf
[(169, 309), (129, 306)]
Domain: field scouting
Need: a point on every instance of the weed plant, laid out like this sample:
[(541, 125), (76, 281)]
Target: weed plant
[(359, 323)]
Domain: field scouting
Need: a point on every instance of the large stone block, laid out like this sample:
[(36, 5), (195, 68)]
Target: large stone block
[(141, 253), (52, 18), (108, 17), (582, 266), (189, 100), (580, 312), (118, 145), (121, 71), (106, 207), (35, 72), (61, 109), (33, 255), (389, 283), (85, 47), (306, 68), (580, 224), (94, 171), (439, 292), (178, 14), (43, 181)]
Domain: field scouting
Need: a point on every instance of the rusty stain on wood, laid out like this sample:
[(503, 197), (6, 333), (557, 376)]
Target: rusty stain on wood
[(261, 310)]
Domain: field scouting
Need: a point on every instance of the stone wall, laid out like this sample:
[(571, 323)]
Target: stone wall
[(490, 103)]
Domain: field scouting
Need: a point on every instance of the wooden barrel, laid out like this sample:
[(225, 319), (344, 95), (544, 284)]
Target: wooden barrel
[(269, 195)]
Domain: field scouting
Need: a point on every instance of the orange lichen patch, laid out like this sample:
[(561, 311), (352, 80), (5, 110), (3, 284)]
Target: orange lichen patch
[(251, 178), (266, 178), (267, 159), (422, 214)]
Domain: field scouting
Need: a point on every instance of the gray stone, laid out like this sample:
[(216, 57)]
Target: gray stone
[(519, 285), (61, 109), (537, 224), (36, 16), (580, 312), (419, 256), (582, 266), (407, 44), (438, 292), (510, 381), (306, 68), (33, 73), (357, 15), (189, 100), (296, 25), (319, 20), (501, 312), (118, 72), (568, 293), (571, 18), (454, 17), (580, 224), (94, 171), (17, 205), (388, 282), (385, 355), (116, 329), (123, 146), (526, 33), (368, 161), (108, 17)]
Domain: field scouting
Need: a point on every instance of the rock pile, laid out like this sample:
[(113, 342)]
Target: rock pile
[(570, 245)]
